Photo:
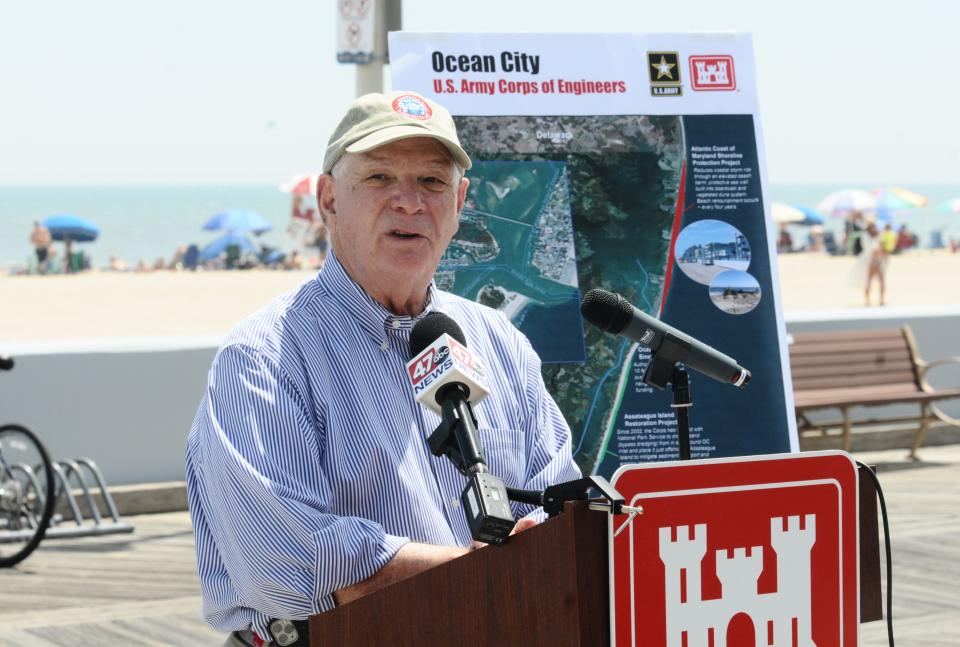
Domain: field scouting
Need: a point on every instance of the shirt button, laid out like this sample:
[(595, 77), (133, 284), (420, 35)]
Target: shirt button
[(395, 324), (455, 502), (385, 346)]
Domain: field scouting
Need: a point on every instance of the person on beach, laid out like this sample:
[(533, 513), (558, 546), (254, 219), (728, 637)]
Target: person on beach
[(41, 240), (853, 231), (888, 239), (871, 264), (310, 481)]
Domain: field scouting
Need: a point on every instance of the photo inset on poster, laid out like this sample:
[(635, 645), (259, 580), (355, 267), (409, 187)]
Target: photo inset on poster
[(734, 292), (708, 247), (514, 252)]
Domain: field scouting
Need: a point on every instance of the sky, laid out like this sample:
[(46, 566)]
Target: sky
[(105, 92)]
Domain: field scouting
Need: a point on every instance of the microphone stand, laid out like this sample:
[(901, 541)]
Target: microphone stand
[(663, 368)]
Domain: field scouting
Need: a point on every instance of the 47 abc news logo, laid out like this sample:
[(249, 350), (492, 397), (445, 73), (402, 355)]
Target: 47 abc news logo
[(707, 73)]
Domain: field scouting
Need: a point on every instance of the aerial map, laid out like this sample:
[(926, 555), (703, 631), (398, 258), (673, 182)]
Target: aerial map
[(514, 252), (616, 179)]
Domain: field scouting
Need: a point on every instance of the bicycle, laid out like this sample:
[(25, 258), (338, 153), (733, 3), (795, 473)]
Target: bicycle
[(27, 493)]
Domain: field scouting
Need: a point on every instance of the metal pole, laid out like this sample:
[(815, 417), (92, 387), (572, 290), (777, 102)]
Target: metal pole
[(387, 17)]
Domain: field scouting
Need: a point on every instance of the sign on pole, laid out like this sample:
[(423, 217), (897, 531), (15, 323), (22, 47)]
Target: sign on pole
[(355, 31)]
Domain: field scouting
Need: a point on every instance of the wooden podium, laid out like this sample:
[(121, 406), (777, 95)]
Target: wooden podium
[(547, 586)]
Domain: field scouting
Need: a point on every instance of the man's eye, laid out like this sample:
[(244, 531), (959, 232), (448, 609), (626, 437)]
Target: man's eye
[(377, 176), (434, 180)]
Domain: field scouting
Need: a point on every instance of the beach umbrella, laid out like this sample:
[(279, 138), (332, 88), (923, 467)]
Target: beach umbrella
[(304, 184), (894, 198), (791, 214), (846, 200), (950, 206), (238, 220), (219, 246), (79, 230)]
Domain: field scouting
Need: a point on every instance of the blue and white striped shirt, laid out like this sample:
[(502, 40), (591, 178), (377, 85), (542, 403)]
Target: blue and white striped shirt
[(307, 463)]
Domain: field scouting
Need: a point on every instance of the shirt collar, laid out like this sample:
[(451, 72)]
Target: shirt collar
[(371, 316)]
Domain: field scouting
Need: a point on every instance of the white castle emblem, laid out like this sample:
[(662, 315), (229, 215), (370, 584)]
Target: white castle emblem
[(776, 616), (712, 74)]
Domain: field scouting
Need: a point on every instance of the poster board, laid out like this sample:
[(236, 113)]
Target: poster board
[(632, 163)]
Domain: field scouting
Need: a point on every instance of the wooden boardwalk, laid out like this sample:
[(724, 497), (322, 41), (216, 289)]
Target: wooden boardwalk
[(141, 589), (138, 589)]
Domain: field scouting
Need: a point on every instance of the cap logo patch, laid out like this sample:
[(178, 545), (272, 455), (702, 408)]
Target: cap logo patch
[(410, 105)]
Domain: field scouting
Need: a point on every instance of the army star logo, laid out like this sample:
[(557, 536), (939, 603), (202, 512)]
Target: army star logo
[(663, 69)]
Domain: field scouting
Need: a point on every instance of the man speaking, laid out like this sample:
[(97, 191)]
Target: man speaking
[(308, 471)]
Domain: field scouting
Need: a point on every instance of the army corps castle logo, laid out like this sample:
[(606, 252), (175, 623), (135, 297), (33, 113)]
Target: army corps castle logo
[(781, 617), (712, 73), (664, 70)]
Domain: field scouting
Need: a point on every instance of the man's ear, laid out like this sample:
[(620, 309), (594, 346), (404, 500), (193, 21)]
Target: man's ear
[(326, 201), (462, 194)]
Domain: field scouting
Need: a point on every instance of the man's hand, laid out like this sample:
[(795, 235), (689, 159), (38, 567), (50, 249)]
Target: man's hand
[(523, 524), (411, 559), (520, 526)]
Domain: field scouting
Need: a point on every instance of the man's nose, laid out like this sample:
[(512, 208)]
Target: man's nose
[(408, 197)]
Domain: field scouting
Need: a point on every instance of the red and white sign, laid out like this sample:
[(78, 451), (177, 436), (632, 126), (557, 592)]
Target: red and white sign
[(355, 31), (444, 361), (712, 73), (759, 550)]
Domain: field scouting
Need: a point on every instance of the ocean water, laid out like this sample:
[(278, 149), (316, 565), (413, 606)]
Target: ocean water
[(136, 221), (152, 221)]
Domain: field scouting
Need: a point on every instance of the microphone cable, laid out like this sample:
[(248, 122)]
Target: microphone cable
[(886, 546)]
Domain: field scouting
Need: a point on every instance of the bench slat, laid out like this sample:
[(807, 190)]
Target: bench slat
[(803, 347), (904, 378), (816, 337), (883, 358), (832, 398), (852, 369)]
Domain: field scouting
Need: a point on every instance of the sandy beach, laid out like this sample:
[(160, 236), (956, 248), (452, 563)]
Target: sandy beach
[(98, 305)]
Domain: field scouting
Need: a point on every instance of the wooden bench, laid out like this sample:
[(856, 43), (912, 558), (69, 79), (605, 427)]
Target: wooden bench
[(843, 370)]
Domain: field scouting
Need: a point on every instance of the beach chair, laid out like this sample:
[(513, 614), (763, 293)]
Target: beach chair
[(191, 257), (830, 244), (233, 256), (936, 239), (75, 263)]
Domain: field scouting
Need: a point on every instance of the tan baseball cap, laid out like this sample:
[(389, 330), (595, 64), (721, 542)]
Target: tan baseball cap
[(377, 119)]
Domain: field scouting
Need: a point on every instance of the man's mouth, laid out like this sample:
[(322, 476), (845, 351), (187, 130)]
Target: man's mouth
[(405, 235)]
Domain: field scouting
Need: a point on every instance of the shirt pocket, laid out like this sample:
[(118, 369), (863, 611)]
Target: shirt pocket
[(505, 452)]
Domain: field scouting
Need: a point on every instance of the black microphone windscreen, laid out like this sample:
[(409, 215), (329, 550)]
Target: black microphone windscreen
[(606, 310), (429, 328)]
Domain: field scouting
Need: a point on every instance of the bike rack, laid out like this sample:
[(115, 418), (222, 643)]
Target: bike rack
[(63, 471), (67, 475)]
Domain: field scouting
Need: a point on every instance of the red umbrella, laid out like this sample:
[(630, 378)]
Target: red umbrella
[(304, 184)]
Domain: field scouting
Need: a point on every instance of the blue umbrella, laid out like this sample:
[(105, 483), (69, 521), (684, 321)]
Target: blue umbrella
[(238, 220), (794, 214), (219, 246), (63, 225), (811, 217)]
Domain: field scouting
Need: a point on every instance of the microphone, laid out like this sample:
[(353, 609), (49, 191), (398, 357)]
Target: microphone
[(616, 315), (446, 377), (441, 361)]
